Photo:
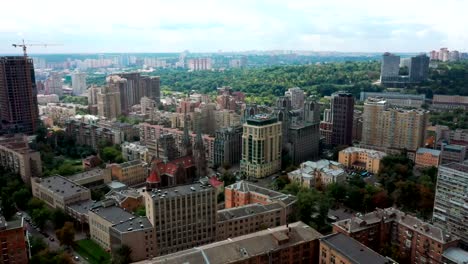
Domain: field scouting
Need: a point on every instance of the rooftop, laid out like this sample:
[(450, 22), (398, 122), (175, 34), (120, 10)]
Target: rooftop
[(463, 167), (240, 248), (370, 152), (131, 163), (457, 255), (354, 251), (86, 174), (135, 224), (361, 222), (13, 224), (112, 213), (244, 186), (60, 185), (433, 152), (179, 190), (261, 120), (246, 210)]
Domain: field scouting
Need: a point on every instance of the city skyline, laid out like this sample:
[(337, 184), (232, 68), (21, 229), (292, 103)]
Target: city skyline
[(210, 26)]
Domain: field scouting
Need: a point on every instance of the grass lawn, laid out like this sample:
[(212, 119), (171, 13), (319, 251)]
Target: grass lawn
[(92, 252)]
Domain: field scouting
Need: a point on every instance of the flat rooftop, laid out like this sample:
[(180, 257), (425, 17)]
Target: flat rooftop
[(179, 190), (370, 152), (354, 251), (240, 248), (433, 152), (246, 210), (86, 174), (244, 186), (134, 224), (16, 222), (463, 167), (457, 255), (131, 163), (112, 213), (60, 185)]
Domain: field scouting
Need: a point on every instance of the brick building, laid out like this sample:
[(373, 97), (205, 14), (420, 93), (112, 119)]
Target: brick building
[(426, 157), (13, 245)]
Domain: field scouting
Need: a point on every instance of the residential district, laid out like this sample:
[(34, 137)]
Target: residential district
[(123, 171)]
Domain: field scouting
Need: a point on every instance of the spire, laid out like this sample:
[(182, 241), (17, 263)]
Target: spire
[(186, 144), (199, 154)]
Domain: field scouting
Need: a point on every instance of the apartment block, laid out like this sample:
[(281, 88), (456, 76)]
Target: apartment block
[(451, 201), (340, 248), (417, 241), (16, 156), (342, 111), (130, 173), (183, 216), (293, 243), (261, 146), (135, 151), (13, 247), (452, 153), (426, 158), (58, 191), (361, 159), (228, 146), (250, 218)]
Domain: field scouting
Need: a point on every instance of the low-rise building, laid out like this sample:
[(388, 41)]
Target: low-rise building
[(135, 151), (243, 193), (296, 242), (130, 173), (16, 156), (13, 243), (361, 159), (452, 153), (92, 178), (58, 192), (91, 162), (128, 199), (449, 102), (416, 240), (426, 157), (315, 173), (340, 248), (242, 220)]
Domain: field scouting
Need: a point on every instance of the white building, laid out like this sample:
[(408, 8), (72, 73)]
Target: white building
[(297, 97), (78, 83), (313, 173)]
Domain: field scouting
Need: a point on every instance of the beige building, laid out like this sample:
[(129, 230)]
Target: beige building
[(362, 159), (318, 173), (226, 118), (130, 173), (16, 156), (242, 220), (426, 157), (59, 192), (261, 146), (92, 178), (108, 103), (387, 128), (183, 216), (293, 243)]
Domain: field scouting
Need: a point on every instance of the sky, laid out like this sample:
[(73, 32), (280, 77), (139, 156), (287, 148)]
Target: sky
[(95, 26)]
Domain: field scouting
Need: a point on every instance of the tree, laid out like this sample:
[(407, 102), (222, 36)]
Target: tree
[(21, 197), (140, 210), (58, 218), (35, 203), (40, 216), (66, 235), (37, 245), (122, 255), (281, 182), (228, 178)]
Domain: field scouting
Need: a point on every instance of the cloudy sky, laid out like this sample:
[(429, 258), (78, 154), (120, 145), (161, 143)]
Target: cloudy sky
[(239, 25)]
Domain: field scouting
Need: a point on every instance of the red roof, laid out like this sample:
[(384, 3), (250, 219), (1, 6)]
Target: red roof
[(215, 182), (153, 177), (170, 168)]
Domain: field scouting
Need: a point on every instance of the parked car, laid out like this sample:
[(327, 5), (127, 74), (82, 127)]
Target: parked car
[(51, 239)]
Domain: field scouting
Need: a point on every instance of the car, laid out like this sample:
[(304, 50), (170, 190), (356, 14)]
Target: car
[(51, 239), (76, 258), (19, 213)]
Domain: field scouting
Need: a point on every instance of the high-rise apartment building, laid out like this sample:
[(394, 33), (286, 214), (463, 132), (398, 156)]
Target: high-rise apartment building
[(419, 68), (54, 84), (390, 128), (451, 200), (18, 96), (228, 146), (200, 64), (261, 146), (183, 216), (390, 67), (109, 106), (78, 83), (342, 111), (297, 97)]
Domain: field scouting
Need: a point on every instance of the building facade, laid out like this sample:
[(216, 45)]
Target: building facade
[(318, 173), (183, 216), (261, 146), (130, 173), (361, 159), (108, 103), (390, 67), (13, 242), (18, 96), (426, 158), (78, 83), (228, 146), (297, 96), (450, 203), (342, 111)]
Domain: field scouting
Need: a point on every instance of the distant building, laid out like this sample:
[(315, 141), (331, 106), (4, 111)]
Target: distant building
[(130, 173), (342, 111), (390, 67), (13, 238), (261, 146), (134, 151), (318, 173), (18, 96), (228, 146), (284, 244), (452, 153), (58, 191), (419, 68), (93, 178), (450, 203), (178, 225), (450, 102), (416, 240), (78, 83), (361, 159), (200, 64), (16, 156), (339, 248), (297, 96), (44, 99), (109, 105), (54, 84), (397, 99), (426, 157), (326, 132)]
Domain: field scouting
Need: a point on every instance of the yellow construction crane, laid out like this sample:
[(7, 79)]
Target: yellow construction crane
[(24, 45)]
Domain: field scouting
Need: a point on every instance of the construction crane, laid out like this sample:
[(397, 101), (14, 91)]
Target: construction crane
[(24, 45)]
